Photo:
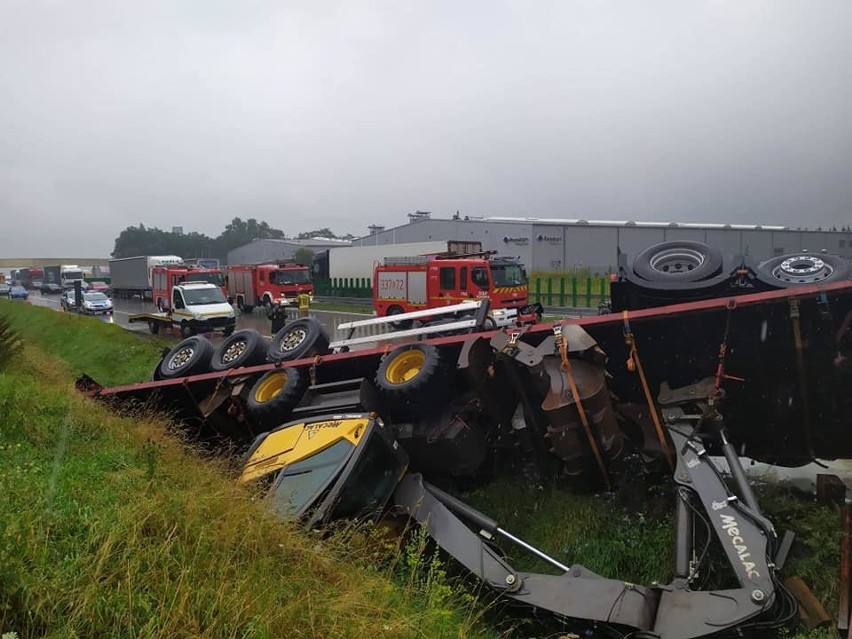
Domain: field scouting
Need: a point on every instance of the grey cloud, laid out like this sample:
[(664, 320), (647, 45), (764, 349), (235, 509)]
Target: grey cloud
[(342, 114)]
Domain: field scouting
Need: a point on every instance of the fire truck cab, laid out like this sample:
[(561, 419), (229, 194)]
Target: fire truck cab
[(251, 285), (406, 284), (165, 278)]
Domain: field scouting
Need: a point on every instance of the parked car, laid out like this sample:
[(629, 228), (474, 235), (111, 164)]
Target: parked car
[(5, 290), (96, 304), (99, 287), (51, 287), (67, 301), (18, 293)]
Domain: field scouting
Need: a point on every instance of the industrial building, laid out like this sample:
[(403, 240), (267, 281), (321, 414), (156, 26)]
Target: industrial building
[(555, 244), (263, 250)]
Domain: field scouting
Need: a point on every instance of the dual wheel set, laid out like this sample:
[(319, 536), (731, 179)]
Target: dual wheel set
[(410, 380), (688, 261)]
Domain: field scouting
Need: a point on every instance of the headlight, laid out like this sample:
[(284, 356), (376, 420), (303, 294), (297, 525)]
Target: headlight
[(88, 305), (196, 316)]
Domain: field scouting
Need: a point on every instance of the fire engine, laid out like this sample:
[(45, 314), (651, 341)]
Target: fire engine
[(267, 284), (165, 278), (407, 284)]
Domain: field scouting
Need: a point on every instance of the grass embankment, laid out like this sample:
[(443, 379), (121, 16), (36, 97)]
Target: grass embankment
[(110, 528)]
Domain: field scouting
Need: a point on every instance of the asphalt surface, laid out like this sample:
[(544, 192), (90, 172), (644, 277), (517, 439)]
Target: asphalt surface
[(257, 320)]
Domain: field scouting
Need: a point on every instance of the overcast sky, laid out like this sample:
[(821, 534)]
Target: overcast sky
[(341, 114)]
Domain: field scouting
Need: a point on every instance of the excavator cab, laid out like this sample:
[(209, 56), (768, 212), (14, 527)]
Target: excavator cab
[(327, 467)]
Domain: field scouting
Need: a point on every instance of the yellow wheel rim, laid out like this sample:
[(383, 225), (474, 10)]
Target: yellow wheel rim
[(405, 366), (270, 387)]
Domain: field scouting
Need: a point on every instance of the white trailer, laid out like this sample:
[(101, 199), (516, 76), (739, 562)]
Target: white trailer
[(359, 261), (132, 275)]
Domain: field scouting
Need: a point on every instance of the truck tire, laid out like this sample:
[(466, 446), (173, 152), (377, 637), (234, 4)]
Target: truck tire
[(153, 326), (190, 357), (677, 261), (304, 337), (412, 381), (800, 269), (402, 324), (244, 348), (186, 330), (274, 396)]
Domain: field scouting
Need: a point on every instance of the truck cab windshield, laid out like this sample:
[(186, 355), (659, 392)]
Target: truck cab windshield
[(508, 275), (296, 276), (198, 296)]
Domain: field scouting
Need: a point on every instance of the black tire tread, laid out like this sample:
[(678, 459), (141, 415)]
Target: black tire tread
[(254, 354), (277, 410), (419, 396), (200, 362)]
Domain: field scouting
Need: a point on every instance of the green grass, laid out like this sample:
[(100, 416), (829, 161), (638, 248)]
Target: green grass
[(106, 352)]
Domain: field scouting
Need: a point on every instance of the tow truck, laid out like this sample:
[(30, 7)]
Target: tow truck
[(196, 307)]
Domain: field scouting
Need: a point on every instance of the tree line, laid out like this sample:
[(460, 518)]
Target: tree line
[(142, 240)]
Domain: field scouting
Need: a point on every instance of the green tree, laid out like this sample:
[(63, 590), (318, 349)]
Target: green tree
[(304, 255), (239, 232)]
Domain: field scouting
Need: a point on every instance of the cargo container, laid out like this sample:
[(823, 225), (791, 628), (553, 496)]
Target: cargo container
[(131, 276)]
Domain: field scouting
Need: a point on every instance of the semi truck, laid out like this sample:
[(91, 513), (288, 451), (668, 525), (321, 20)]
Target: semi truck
[(408, 284), (131, 276), (52, 274), (165, 278), (71, 273), (251, 285), (27, 276)]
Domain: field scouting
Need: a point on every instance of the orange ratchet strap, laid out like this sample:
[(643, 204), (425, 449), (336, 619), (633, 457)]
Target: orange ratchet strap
[(562, 344), (635, 364)]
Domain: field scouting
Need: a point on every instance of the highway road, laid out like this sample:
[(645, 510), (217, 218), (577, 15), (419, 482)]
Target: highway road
[(256, 320)]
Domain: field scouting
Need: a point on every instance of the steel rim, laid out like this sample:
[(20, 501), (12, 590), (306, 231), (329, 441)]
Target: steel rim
[(677, 260), (292, 339), (270, 387), (234, 351), (181, 358), (802, 269), (405, 366)]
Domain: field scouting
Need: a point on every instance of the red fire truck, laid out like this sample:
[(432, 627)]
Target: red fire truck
[(164, 278), (406, 284), (251, 285)]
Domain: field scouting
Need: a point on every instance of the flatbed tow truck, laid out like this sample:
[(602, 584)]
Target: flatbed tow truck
[(763, 374), (196, 307)]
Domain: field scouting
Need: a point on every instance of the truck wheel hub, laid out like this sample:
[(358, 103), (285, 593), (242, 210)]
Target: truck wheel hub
[(234, 351), (181, 357), (405, 366), (677, 260), (270, 388), (292, 340), (802, 269)]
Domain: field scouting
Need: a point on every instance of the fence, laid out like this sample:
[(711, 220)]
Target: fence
[(570, 291), (548, 290), (344, 287)]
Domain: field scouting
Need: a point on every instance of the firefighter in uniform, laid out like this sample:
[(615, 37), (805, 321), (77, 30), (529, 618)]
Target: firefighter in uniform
[(304, 304)]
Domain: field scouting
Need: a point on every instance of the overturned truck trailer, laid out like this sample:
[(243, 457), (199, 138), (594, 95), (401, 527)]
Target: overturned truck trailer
[(783, 360)]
